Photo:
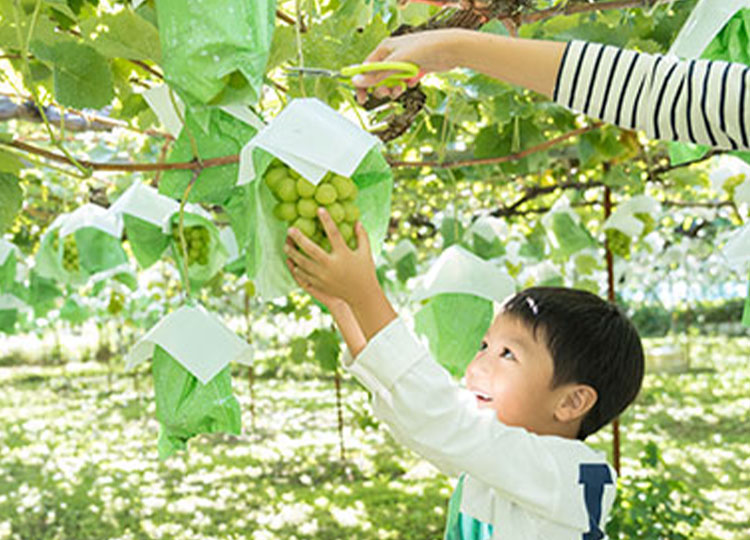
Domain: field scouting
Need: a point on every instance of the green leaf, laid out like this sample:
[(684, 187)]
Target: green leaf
[(9, 163), (225, 136), (570, 235), (11, 197), (326, 348), (82, 76), (123, 35), (452, 230)]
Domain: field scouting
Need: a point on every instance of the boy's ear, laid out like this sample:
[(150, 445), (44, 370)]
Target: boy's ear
[(577, 400)]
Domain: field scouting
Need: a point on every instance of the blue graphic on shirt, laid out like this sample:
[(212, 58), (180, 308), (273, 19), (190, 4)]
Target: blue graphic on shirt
[(594, 476), (459, 525)]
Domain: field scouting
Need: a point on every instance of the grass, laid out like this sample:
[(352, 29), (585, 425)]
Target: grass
[(79, 459)]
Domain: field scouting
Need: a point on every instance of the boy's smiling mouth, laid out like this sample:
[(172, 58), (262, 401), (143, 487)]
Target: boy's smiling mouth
[(481, 396)]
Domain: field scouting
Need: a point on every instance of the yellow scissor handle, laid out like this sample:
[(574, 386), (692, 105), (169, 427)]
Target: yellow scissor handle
[(404, 70)]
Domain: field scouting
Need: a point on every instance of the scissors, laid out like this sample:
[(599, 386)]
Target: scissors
[(404, 71)]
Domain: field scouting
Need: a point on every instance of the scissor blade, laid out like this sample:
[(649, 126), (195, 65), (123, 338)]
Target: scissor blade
[(316, 72)]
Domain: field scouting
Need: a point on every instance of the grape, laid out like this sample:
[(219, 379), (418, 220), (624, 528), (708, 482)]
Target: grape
[(307, 208), (274, 177), (286, 211), (197, 239), (306, 226), (337, 212), (249, 288), (352, 211), (300, 200), (287, 190), (305, 188), (70, 261), (325, 193), (618, 243), (345, 188), (347, 231), (352, 242)]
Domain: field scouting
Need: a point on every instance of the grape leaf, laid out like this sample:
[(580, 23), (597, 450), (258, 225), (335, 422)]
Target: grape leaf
[(123, 35), (571, 236), (326, 348), (9, 163), (11, 197), (83, 78)]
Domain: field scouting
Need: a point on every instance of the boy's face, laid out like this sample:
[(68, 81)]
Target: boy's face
[(512, 374)]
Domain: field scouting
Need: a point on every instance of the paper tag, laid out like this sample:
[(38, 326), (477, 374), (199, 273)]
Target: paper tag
[(90, 215), (624, 220), (160, 102), (6, 248), (737, 248), (705, 21), (241, 112), (196, 339), (144, 202), (726, 167), (401, 250), (8, 301), (460, 271), (489, 228), (230, 242), (312, 139)]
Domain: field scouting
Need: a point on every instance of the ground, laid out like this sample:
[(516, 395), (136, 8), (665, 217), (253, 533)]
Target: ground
[(79, 458)]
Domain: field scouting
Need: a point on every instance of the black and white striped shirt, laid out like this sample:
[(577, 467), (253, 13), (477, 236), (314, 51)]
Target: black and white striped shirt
[(695, 101)]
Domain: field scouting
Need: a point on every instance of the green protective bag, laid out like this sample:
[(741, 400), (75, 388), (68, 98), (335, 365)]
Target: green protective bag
[(217, 254), (222, 135), (186, 408), (454, 325), (147, 240), (97, 252), (215, 52), (265, 246), (8, 272), (746, 311)]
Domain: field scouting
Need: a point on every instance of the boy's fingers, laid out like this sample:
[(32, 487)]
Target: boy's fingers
[(305, 280), (332, 232), (363, 241), (306, 245), (300, 259)]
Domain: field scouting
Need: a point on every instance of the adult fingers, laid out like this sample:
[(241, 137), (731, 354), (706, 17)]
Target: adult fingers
[(332, 232)]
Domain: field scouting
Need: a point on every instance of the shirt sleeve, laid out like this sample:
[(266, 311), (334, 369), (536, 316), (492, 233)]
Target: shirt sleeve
[(429, 412), (693, 101)]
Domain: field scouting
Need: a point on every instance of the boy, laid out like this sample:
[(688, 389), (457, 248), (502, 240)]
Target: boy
[(555, 366)]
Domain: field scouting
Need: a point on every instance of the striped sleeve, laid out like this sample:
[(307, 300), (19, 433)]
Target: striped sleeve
[(694, 101)]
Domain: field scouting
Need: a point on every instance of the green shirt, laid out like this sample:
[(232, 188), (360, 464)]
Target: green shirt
[(459, 525)]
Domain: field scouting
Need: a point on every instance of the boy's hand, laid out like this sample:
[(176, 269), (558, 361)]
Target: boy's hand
[(342, 275), (431, 51)]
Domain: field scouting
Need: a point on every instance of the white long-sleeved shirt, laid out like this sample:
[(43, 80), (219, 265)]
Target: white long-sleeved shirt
[(525, 486), (695, 101)]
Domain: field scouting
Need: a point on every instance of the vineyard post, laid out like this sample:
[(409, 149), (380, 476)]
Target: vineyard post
[(611, 298)]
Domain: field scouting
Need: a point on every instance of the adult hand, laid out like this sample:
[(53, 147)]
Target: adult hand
[(431, 50)]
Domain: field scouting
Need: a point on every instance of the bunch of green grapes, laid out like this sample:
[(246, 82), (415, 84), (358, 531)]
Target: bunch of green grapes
[(299, 201), (70, 260), (198, 241), (618, 243)]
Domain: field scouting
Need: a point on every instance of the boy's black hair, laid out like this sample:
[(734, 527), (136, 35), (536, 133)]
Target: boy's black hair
[(591, 342)]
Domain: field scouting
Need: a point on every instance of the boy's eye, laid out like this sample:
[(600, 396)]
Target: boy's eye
[(483, 346), (506, 353)]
